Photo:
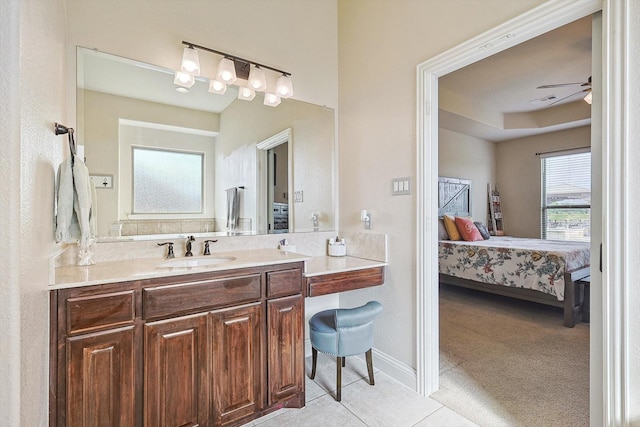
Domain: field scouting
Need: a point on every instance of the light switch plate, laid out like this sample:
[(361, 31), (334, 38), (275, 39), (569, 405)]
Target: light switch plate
[(102, 181), (400, 186), (298, 196)]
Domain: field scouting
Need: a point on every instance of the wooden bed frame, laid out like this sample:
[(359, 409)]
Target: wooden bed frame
[(573, 292)]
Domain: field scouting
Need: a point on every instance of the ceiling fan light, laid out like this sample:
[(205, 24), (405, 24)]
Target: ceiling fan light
[(284, 87), (216, 86), (190, 61), (246, 93), (257, 79), (271, 100), (589, 98), (184, 79), (226, 71)]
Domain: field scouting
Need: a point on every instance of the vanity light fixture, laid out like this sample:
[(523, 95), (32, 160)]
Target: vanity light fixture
[(271, 100), (190, 61), (216, 86), (231, 68), (246, 93)]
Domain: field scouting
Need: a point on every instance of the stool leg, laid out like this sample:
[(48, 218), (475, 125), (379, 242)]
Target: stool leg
[(370, 367), (339, 379), (314, 360)]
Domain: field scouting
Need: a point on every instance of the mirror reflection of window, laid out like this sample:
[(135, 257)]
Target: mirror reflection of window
[(167, 181)]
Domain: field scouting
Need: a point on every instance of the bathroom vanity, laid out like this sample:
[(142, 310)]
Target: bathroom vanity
[(210, 346)]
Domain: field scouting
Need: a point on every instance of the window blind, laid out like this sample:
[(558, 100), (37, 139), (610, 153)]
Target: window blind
[(566, 197)]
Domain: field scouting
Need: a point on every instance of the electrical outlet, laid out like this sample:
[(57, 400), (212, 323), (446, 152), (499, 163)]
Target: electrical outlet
[(102, 181)]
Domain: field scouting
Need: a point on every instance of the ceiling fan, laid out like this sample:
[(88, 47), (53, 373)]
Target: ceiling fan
[(585, 88)]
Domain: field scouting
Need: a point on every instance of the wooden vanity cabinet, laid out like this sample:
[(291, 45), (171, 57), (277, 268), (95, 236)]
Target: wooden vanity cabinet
[(207, 349)]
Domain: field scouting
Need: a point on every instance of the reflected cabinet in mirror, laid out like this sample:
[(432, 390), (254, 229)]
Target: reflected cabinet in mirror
[(168, 162)]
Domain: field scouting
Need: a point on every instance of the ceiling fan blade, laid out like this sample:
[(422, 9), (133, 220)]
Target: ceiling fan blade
[(569, 96), (562, 85)]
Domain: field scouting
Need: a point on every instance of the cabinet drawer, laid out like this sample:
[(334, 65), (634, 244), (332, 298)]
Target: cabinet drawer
[(287, 282), (92, 312), (193, 297), (345, 281)]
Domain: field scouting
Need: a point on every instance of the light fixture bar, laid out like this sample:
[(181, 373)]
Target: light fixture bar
[(235, 58)]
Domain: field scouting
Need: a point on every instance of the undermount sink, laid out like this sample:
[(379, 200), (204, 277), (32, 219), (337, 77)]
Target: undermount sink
[(196, 262)]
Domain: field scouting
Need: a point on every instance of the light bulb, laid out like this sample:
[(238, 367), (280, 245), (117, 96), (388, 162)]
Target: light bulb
[(271, 99), (184, 79), (257, 79), (246, 93), (190, 61), (216, 86), (227, 71), (284, 87)]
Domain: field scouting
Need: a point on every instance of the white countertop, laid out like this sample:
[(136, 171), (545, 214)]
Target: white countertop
[(147, 268)]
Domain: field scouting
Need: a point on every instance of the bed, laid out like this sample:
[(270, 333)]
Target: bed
[(543, 271)]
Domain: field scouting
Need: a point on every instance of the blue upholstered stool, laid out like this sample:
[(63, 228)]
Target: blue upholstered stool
[(344, 332)]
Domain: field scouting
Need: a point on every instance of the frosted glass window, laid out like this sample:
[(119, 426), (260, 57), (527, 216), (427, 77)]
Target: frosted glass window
[(166, 181), (566, 197)]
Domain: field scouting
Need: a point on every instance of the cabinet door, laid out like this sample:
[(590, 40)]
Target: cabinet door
[(237, 354), (100, 379), (175, 372), (285, 318)]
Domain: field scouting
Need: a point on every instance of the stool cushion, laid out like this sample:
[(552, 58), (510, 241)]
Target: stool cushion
[(344, 332)]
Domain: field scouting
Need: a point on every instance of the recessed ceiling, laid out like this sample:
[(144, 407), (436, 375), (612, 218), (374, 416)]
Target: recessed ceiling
[(497, 98)]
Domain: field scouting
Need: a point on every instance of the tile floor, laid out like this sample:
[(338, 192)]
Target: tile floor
[(387, 404)]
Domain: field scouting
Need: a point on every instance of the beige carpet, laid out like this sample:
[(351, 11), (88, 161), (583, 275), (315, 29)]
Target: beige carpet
[(505, 362)]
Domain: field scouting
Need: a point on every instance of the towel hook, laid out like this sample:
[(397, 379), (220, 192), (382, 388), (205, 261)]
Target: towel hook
[(61, 129)]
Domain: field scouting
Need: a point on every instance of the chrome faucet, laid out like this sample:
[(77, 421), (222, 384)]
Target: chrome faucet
[(189, 240), (170, 253)]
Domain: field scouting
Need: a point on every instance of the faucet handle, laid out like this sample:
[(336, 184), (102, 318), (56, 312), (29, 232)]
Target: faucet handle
[(170, 253), (206, 247)]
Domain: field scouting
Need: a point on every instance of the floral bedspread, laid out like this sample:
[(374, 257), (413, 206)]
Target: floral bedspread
[(516, 262)]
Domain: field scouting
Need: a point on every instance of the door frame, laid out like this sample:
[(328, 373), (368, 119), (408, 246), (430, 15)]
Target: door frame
[(608, 353), (262, 192)]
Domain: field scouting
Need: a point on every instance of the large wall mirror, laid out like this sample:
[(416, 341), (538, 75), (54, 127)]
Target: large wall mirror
[(166, 162)]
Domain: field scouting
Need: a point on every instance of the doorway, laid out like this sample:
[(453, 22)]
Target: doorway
[(607, 391), (278, 189), (274, 184)]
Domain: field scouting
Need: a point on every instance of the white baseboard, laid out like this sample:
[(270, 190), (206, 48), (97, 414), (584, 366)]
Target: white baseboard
[(392, 367)]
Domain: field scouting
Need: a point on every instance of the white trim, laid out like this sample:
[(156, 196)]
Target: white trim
[(616, 141), (615, 277), (275, 140)]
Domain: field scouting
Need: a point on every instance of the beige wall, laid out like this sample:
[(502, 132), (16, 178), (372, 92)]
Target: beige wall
[(518, 174), (464, 156), (30, 153), (381, 43)]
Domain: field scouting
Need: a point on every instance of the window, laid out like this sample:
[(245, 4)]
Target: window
[(167, 181), (566, 196)]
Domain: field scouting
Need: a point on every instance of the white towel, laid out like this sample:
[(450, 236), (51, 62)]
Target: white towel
[(75, 204), (64, 202)]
